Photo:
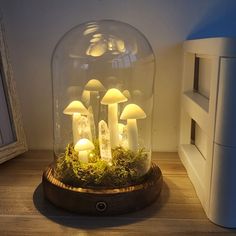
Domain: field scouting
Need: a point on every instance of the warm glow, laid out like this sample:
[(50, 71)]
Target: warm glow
[(113, 96), (94, 40), (96, 50), (132, 111), (90, 30), (120, 45), (94, 85), (84, 145), (97, 35), (75, 107)]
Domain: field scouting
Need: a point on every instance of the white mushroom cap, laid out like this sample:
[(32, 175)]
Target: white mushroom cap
[(94, 85), (84, 145), (112, 96), (75, 107), (132, 111)]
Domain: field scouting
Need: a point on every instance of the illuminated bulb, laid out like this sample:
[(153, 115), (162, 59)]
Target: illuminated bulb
[(131, 113), (112, 98)]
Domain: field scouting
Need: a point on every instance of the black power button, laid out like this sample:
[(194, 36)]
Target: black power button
[(101, 206)]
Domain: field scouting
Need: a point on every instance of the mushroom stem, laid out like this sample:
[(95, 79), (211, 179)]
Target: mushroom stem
[(113, 124), (75, 126), (132, 134), (83, 156)]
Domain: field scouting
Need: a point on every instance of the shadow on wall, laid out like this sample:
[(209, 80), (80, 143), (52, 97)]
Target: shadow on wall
[(219, 21)]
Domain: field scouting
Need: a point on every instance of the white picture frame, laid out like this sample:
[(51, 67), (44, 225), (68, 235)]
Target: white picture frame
[(12, 136)]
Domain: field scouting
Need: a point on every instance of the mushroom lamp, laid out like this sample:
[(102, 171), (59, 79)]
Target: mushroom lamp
[(112, 97), (94, 86), (75, 109), (83, 146), (131, 113), (103, 75)]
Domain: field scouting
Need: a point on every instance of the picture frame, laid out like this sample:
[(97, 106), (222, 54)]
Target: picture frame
[(12, 136)]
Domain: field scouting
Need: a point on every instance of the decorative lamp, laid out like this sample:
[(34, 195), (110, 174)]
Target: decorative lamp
[(103, 78)]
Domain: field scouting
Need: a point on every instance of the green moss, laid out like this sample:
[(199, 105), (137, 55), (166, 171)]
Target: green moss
[(127, 168)]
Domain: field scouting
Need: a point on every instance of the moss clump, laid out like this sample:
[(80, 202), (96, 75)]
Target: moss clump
[(127, 168)]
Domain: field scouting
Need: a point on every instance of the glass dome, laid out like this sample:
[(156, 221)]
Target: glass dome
[(103, 76)]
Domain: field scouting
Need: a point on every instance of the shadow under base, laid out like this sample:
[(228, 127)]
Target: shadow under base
[(102, 201)]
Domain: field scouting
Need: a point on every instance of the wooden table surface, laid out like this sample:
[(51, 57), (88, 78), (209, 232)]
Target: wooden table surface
[(24, 211)]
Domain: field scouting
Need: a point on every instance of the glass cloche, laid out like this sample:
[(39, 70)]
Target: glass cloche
[(103, 79)]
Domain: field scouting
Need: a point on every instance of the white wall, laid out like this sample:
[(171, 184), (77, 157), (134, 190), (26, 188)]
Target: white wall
[(34, 26)]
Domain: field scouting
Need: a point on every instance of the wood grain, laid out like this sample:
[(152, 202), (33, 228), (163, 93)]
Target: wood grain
[(24, 211)]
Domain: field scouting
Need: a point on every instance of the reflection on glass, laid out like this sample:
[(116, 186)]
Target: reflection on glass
[(108, 68)]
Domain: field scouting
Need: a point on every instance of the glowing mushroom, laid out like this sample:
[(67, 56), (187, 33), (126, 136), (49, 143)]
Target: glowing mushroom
[(131, 113), (75, 108), (94, 86), (112, 98), (84, 146)]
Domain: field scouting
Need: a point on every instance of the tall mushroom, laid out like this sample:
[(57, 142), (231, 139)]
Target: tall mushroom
[(112, 98), (94, 86), (131, 113), (75, 108), (83, 146)]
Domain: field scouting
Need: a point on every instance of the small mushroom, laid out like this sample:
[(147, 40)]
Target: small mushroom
[(84, 146), (75, 108), (112, 98), (131, 113)]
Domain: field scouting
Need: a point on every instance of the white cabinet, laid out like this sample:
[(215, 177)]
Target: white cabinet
[(208, 125)]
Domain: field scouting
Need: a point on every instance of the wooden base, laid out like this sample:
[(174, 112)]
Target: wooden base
[(97, 201)]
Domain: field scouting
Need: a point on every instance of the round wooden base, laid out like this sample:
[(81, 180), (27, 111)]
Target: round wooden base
[(97, 201)]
